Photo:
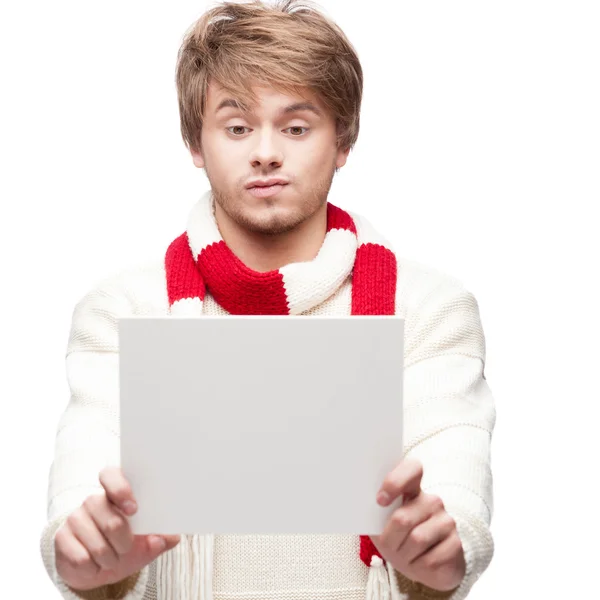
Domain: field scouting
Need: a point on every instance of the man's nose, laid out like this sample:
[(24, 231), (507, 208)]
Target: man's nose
[(267, 151)]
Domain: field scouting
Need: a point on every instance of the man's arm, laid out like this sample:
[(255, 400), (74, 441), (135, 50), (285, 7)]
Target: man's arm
[(449, 417), (87, 438)]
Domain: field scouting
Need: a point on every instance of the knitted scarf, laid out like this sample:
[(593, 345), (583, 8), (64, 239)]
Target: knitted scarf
[(200, 262)]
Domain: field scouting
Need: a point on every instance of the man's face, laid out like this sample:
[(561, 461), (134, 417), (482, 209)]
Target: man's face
[(297, 145)]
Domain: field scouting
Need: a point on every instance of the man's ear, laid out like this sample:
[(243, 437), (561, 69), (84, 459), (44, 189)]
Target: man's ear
[(197, 157), (342, 156)]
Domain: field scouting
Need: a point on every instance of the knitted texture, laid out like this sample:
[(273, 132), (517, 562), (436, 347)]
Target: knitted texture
[(449, 416), (199, 259)]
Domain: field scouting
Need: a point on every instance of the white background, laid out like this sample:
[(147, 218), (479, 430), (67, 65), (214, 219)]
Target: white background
[(479, 154)]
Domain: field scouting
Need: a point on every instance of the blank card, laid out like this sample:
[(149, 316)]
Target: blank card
[(260, 424)]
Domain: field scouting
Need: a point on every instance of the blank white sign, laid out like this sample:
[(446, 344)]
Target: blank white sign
[(260, 424)]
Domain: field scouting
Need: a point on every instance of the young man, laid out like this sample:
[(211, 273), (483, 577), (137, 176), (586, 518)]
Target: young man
[(269, 99)]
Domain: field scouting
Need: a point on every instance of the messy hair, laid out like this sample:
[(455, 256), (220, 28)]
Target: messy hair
[(287, 45)]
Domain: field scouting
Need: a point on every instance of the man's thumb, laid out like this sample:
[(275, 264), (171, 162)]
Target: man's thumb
[(171, 541), (157, 544)]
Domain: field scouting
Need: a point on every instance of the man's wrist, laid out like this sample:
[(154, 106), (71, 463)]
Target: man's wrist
[(420, 591)]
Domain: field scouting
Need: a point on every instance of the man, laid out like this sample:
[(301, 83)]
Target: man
[(269, 100)]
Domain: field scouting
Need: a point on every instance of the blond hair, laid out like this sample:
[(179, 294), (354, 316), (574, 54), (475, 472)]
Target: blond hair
[(288, 45)]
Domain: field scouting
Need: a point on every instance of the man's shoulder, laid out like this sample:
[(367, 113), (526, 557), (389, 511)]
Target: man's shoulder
[(419, 281), (416, 280), (441, 314), (137, 288)]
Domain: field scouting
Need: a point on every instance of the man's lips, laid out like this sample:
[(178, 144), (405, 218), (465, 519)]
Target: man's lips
[(266, 186), (266, 182), (264, 191)]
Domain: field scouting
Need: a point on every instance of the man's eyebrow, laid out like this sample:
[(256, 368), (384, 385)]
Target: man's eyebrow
[(296, 107), (228, 102)]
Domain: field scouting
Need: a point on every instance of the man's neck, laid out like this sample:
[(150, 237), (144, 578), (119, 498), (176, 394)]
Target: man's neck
[(264, 253)]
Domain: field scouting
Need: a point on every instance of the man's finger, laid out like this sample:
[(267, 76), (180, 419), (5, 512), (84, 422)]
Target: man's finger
[(118, 490), (72, 555), (402, 521), (113, 525), (404, 480)]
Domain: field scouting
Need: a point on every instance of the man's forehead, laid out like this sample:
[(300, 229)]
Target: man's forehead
[(220, 98)]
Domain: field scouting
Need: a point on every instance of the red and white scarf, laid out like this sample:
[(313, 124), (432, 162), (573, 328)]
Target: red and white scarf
[(200, 262)]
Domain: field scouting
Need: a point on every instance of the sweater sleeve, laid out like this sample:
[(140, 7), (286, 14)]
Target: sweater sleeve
[(449, 417), (87, 438)]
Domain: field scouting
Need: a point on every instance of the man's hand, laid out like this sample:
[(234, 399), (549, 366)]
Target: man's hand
[(95, 546), (420, 539)]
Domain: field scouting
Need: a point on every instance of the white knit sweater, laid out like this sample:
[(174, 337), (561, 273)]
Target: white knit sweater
[(449, 419)]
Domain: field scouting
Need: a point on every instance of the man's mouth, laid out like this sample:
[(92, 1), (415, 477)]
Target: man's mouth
[(262, 191)]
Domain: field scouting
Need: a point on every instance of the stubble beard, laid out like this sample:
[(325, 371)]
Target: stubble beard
[(311, 202)]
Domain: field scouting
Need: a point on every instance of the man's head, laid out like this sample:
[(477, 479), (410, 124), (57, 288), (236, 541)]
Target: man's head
[(241, 69)]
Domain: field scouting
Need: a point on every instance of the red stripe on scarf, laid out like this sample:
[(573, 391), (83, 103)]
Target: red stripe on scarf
[(183, 278), (339, 219), (368, 550), (249, 292), (374, 281)]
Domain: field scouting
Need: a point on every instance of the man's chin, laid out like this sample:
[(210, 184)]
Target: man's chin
[(275, 215), (267, 221)]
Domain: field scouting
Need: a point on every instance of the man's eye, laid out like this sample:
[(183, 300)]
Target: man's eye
[(236, 127), (297, 127)]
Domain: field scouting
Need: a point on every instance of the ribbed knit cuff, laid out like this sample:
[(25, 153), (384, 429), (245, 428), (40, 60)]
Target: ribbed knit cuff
[(413, 590), (478, 547), (131, 588)]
